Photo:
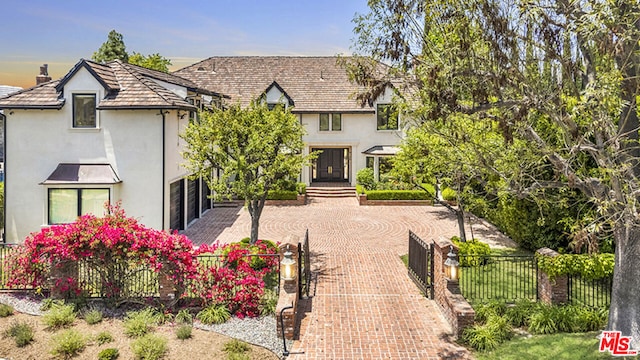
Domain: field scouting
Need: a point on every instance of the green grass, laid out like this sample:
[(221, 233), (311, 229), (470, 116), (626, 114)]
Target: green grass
[(552, 347), (405, 259)]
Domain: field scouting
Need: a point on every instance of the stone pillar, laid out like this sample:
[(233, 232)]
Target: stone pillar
[(552, 291), (288, 294)]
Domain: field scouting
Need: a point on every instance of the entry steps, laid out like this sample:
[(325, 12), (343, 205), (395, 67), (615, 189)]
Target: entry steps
[(327, 192)]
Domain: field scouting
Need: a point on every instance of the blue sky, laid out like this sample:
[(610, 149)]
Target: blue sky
[(61, 32)]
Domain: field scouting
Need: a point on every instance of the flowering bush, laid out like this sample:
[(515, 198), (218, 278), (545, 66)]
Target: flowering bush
[(116, 246)]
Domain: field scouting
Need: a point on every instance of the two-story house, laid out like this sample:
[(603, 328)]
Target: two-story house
[(104, 132), (349, 136)]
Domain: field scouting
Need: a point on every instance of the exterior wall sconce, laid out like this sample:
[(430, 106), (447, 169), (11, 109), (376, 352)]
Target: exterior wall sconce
[(288, 266), (451, 265)]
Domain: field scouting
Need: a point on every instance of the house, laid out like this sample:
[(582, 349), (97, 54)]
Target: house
[(104, 132), (349, 136), (4, 91)]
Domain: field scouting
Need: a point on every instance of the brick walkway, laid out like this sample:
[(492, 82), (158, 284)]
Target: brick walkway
[(363, 304)]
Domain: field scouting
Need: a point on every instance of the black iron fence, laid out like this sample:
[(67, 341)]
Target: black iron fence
[(304, 265), (499, 277), (420, 264), (587, 292)]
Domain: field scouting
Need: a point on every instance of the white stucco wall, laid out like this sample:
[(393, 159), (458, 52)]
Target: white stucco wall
[(38, 140)]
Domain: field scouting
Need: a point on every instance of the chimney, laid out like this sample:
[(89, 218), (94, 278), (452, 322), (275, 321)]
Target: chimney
[(44, 75)]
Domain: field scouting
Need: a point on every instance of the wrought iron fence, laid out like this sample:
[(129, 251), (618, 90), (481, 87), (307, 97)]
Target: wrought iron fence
[(499, 277), (304, 266), (420, 264), (586, 292)]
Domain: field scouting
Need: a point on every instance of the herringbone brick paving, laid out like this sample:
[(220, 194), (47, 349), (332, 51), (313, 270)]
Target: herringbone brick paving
[(363, 305)]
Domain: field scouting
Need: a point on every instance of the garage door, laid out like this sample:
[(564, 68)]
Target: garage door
[(193, 189), (205, 201)]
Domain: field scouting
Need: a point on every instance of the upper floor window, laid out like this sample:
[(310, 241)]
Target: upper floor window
[(387, 117), (84, 111), (334, 125)]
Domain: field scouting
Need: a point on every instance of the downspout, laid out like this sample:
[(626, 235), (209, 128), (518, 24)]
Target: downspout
[(163, 164)]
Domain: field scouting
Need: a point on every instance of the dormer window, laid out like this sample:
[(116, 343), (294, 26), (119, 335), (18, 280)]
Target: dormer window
[(84, 111)]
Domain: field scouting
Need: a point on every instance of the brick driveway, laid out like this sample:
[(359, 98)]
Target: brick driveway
[(363, 304)]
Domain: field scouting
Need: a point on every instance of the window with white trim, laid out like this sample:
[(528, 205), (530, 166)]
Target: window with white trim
[(66, 204), (84, 111)]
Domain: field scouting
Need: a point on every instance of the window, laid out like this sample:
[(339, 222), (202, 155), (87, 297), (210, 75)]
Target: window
[(334, 125), (387, 117), (370, 162), (65, 205), (84, 111)]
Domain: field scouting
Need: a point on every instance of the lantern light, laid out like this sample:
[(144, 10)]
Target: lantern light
[(288, 266), (451, 265)]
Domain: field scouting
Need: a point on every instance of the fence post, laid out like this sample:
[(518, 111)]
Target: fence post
[(552, 291)]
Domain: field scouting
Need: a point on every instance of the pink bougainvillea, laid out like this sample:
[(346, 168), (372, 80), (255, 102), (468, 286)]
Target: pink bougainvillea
[(106, 243)]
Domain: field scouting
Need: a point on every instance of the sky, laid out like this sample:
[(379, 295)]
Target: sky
[(60, 33)]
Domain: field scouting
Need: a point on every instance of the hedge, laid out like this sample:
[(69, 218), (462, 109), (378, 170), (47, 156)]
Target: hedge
[(282, 195), (397, 195)]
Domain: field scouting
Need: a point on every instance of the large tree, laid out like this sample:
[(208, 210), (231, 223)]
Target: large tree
[(114, 48), (254, 148), (557, 79)]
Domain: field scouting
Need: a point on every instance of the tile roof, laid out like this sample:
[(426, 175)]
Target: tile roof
[(6, 90), (315, 84), (127, 87)]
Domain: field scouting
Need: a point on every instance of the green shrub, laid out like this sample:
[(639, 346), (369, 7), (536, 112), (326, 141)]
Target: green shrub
[(397, 195), (449, 194), (108, 354), (6, 310), (68, 343), (138, 323), (183, 332), (282, 195), (499, 325), (365, 177), (472, 252), (487, 309), (21, 332), (238, 356), (59, 316), (543, 320), (48, 303), (360, 189), (235, 346), (268, 302), (301, 188), (93, 317), (518, 314), (481, 337), (104, 337), (149, 347), (214, 314), (588, 319), (184, 317)]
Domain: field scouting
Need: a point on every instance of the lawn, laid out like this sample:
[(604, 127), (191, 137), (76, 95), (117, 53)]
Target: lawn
[(582, 346)]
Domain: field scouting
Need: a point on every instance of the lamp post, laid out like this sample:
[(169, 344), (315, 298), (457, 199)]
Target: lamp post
[(288, 266), (451, 265)]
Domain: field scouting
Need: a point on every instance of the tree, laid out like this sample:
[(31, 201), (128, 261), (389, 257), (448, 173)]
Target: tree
[(153, 61), (254, 148), (559, 77), (112, 49)]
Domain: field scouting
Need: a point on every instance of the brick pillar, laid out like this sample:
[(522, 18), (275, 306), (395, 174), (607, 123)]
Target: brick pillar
[(552, 291), (288, 294), (447, 294), (61, 271)]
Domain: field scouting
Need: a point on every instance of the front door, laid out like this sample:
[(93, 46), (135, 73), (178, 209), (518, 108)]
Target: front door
[(330, 165)]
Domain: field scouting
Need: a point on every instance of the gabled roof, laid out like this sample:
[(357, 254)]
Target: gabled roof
[(126, 86), (315, 84), (281, 90)]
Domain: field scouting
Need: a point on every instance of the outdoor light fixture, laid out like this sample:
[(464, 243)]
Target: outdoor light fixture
[(451, 265), (288, 266)]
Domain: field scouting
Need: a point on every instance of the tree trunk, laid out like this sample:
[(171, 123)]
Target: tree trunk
[(624, 311), (255, 210), (460, 216)]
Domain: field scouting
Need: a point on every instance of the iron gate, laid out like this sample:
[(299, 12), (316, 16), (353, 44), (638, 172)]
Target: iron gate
[(421, 264)]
